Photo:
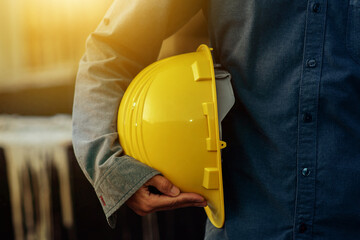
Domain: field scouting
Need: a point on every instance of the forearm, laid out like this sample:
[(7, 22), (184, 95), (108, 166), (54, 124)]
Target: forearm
[(114, 176)]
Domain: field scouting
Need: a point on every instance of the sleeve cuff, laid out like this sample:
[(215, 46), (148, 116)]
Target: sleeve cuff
[(120, 183)]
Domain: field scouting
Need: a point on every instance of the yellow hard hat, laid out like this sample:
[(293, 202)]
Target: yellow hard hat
[(168, 119)]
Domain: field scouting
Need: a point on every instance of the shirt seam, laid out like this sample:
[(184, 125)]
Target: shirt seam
[(298, 122), (109, 171), (317, 115)]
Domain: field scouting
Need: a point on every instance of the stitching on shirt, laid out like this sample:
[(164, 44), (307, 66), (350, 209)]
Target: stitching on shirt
[(108, 171)]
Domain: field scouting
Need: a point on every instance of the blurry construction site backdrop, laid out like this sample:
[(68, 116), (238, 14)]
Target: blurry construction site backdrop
[(43, 193)]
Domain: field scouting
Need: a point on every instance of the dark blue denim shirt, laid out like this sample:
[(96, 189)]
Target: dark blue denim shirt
[(292, 166)]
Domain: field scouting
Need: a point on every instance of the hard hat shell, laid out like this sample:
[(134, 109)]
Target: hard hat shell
[(168, 120)]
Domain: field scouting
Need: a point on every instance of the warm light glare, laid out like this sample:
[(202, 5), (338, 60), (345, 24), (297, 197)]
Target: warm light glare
[(44, 37)]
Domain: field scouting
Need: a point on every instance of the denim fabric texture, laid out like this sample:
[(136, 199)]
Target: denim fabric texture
[(291, 167)]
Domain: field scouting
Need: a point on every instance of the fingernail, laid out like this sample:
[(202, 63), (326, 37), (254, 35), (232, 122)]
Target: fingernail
[(175, 191)]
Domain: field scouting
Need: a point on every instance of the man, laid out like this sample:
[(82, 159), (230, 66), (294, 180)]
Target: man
[(291, 169)]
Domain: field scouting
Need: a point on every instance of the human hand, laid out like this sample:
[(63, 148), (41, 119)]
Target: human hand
[(145, 201)]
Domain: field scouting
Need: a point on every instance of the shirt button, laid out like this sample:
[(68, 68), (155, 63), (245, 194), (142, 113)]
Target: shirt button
[(307, 117), (302, 228), (305, 172), (316, 7), (311, 63)]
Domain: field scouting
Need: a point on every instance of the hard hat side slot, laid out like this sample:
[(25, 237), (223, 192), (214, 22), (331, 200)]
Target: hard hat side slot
[(209, 112)]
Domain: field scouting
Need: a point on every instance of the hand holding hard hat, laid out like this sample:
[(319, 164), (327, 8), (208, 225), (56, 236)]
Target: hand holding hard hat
[(144, 201), (168, 119)]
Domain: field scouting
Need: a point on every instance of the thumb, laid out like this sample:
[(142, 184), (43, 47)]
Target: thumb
[(164, 185)]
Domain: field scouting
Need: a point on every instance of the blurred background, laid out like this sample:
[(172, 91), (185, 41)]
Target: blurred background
[(43, 193)]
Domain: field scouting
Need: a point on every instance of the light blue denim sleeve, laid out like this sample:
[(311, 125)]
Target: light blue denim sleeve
[(128, 39), (114, 176)]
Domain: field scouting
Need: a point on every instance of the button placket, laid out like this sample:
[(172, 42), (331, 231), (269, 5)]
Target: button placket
[(308, 109)]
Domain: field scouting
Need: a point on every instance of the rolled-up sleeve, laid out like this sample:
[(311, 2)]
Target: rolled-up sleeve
[(128, 38)]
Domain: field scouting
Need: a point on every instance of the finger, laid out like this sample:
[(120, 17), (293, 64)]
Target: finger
[(144, 203), (204, 204), (164, 185), (162, 202)]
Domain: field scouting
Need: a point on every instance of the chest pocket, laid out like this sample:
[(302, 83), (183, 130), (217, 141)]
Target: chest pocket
[(353, 30)]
